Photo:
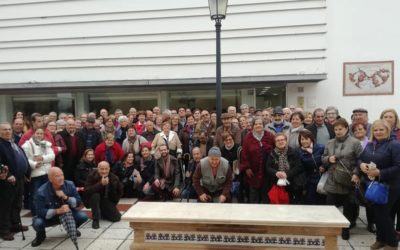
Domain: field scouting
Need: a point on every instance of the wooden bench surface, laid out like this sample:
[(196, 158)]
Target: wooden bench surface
[(237, 214)]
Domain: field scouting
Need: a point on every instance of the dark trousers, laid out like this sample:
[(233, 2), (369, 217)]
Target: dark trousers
[(385, 232), (256, 195), (10, 205), (345, 200), (34, 185), (103, 208), (40, 224)]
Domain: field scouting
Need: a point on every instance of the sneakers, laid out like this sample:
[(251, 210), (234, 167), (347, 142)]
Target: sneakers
[(377, 245), (8, 236), (40, 237), (345, 233), (95, 224)]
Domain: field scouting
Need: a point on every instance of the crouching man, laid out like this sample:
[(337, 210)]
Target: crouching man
[(53, 199), (102, 193), (212, 179)]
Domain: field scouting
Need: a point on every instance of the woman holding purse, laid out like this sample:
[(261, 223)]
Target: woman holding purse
[(380, 161)]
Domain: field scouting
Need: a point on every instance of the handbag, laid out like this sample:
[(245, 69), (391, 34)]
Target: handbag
[(278, 195), (377, 193), (322, 182), (341, 175)]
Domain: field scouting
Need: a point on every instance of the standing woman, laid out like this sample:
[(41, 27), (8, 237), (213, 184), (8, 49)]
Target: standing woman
[(40, 155), (256, 148), (384, 151), (340, 158), (284, 163), (296, 121), (169, 138), (310, 155), (391, 117)]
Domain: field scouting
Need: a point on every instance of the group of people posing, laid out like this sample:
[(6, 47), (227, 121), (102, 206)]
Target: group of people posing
[(183, 154)]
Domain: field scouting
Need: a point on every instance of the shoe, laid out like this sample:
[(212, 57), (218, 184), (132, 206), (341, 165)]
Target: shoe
[(371, 228), (78, 233), (8, 236), (377, 245), (389, 248), (95, 224), (19, 229), (345, 233), (40, 237)]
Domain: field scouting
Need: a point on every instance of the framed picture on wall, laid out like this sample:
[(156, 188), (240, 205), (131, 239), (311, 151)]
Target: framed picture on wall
[(368, 78)]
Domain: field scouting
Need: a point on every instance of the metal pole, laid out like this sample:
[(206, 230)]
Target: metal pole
[(218, 105)]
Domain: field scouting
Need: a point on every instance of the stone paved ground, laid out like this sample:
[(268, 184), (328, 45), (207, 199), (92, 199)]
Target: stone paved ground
[(118, 235)]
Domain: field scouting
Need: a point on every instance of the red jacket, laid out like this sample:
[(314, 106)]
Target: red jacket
[(100, 153), (254, 156)]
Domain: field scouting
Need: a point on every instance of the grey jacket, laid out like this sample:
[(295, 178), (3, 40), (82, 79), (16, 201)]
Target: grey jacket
[(347, 151)]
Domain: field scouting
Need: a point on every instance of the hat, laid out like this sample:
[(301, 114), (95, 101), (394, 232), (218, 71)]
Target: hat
[(91, 119), (278, 111), (360, 110), (214, 151), (226, 116)]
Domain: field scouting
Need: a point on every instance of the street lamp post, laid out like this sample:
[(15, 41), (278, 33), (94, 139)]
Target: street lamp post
[(217, 13)]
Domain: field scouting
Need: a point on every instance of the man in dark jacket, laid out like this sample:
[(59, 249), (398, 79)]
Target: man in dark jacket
[(91, 136), (15, 167), (54, 198), (75, 147), (321, 130), (102, 193)]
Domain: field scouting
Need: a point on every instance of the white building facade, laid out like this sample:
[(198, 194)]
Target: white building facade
[(79, 56)]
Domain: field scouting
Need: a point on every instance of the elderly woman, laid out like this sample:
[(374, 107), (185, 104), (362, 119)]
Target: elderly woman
[(308, 118), (108, 127), (284, 164), (168, 137), (40, 155), (256, 147), (331, 114), (132, 142), (384, 152), (296, 121), (310, 155), (120, 133), (340, 159), (109, 151), (391, 117)]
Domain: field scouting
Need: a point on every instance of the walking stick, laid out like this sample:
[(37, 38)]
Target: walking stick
[(20, 227)]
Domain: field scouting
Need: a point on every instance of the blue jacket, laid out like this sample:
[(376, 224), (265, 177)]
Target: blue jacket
[(46, 200), (17, 168), (386, 155), (312, 162)]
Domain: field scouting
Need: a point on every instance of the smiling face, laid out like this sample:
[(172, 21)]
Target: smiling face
[(390, 118), (380, 131), (280, 141)]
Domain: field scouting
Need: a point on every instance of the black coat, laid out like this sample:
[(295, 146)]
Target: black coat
[(93, 185), (82, 171), (96, 137), (70, 161)]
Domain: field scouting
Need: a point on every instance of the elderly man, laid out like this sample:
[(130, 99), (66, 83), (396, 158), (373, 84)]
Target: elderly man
[(14, 167), (91, 135), (167, 175), (278, 125), (321, 130), (360, 115), (227, 126), (55, 198), (188, 191), (102, 193), (212, 179)]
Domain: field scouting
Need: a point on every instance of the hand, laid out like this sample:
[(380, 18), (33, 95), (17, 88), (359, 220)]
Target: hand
[(104, 181), (373, 172), (157, 183), (321, 169), (11, 179), (60, 194), (249, 173), (176, 192), (39, 164), (63, 209), (146, 188), (332, 159), (204, 197), (3, 174), (139, 178), (222, 198), (364, 167), (355, 179), (281, 175), (188, 174), (38, 158), (136, 172)]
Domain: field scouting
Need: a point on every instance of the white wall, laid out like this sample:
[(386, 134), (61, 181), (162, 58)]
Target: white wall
[(102, 40), (360, 30)]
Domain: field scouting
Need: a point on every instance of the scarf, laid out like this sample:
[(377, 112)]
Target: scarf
[(133, 145), (167, 166), (142, 161), (258, 136), (229, 148), (309, 149), (283, 164)]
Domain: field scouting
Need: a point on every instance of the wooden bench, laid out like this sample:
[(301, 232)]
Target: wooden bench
[(167, 225)]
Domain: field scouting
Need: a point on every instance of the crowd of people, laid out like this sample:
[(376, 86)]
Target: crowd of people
[(51, 162)]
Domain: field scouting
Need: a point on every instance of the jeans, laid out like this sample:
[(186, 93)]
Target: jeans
[(34, 185), (40, 224), (189, 193)]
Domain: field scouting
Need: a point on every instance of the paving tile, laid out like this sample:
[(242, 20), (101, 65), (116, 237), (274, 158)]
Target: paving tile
[(90, 233), (56, 232), (120, 224), (104, 244), (116, 233), (125, 245), (17, 243), (362, 240), (68, 245), (48, 243)]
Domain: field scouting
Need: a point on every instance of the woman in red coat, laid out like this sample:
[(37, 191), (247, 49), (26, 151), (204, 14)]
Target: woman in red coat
[(109, 151), (256, 148)]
